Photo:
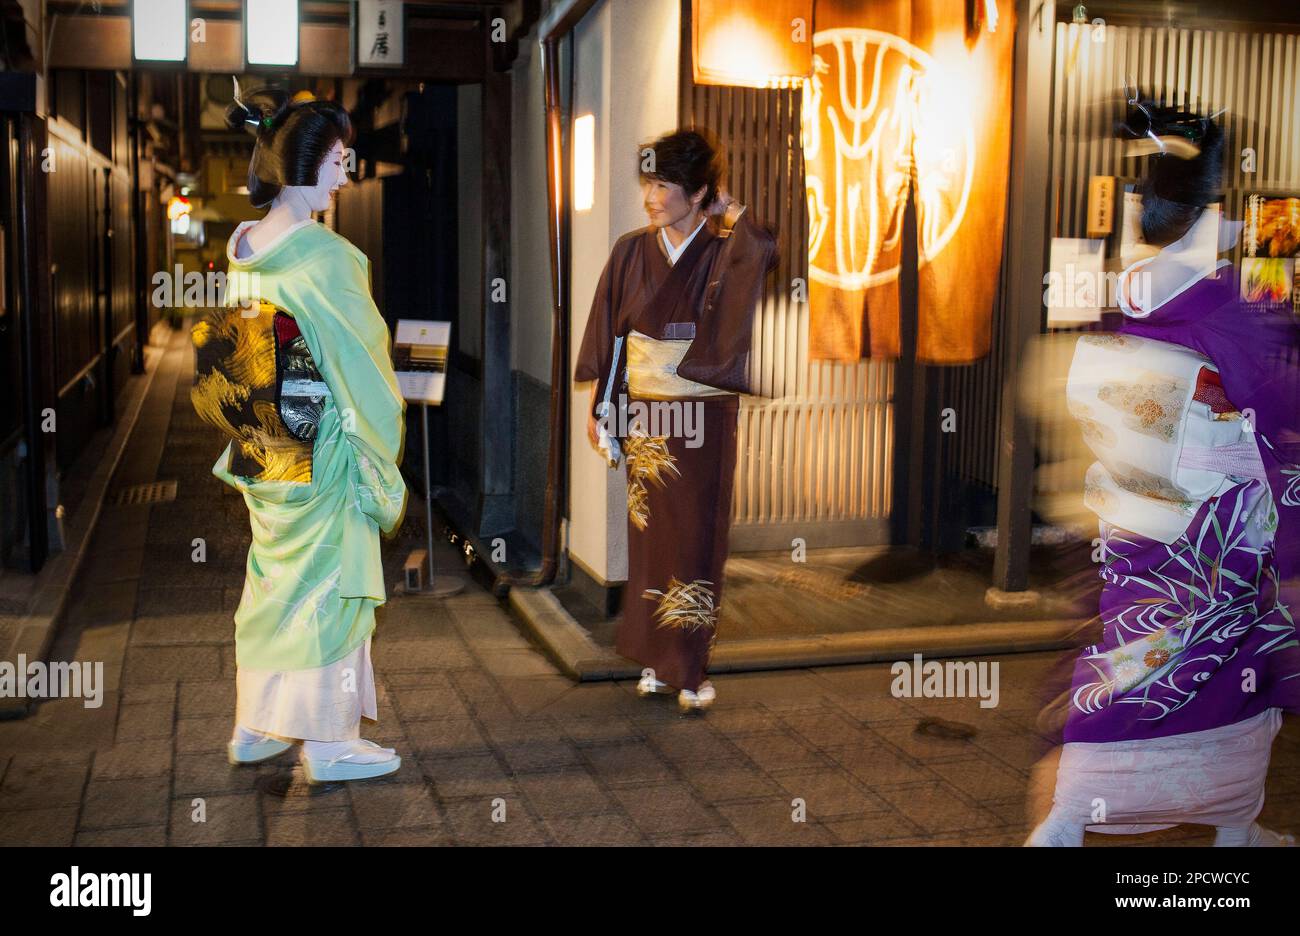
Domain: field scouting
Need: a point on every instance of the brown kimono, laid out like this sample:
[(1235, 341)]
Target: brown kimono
[(668, 345)]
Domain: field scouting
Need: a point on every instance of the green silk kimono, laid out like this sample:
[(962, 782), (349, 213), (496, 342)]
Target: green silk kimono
[(314, 575)]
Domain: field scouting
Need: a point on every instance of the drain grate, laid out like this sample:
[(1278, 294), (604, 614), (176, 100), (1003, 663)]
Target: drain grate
[(155, 492)]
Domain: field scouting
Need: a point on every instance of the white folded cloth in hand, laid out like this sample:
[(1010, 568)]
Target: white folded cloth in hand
[(608, 446)]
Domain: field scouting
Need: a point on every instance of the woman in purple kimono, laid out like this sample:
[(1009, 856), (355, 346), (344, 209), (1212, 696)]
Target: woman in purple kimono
[(1193, 409)]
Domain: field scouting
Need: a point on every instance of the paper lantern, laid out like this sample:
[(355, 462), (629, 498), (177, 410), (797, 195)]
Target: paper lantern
[(753, 45)]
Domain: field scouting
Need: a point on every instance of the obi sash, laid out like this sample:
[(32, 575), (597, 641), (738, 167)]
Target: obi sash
[(652, 367), (1166, 437), (300, 389), (256, 381)]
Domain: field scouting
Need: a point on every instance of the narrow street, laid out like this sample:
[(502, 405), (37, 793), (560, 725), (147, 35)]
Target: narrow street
[(487, 727)]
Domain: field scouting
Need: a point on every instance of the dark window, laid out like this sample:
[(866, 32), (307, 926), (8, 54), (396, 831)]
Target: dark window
[(99, 110), (69, 97)]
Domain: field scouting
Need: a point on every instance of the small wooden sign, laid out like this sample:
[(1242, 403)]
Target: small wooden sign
[(380, 33), (1101, 206)]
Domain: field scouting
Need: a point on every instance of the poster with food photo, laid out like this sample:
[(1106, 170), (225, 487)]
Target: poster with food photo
[(1272, 226), (1270, 241), (1268, 280)]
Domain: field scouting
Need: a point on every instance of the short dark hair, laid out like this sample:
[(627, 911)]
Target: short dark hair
[(687, 158), (293, 138)]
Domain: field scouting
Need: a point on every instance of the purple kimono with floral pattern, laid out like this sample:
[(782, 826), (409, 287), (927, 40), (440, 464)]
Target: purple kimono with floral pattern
[(1199, 633)]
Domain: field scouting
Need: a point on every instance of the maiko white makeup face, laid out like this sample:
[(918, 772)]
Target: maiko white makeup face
[(330, 177)]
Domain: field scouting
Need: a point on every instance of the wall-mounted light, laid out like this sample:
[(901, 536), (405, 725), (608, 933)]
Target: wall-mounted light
[(753, 45), (160, 30), (584, 162), (271, 32)]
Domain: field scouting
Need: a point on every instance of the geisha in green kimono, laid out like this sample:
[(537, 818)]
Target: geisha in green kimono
[(295, 371)]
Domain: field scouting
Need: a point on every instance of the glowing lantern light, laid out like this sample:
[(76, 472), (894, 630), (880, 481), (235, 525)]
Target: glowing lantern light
[(271, 32), (753, 45), (178, 206), (159, 30), (584, 162)]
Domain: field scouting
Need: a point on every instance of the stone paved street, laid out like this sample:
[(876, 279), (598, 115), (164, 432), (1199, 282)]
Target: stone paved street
[(483, 719)]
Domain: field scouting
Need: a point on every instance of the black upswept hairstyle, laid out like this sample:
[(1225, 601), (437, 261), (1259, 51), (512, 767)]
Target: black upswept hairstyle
[(687, 158), (1176, 190), (293, 139)]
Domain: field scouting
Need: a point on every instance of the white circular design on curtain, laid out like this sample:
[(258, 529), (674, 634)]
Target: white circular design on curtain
[(880, 102)]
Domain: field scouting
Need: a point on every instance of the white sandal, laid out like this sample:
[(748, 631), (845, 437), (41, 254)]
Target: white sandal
[(361, 760), (700, 699), (252, 752), (649, 686)]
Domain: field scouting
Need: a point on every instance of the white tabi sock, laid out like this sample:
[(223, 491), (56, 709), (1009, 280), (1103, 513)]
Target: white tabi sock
[(244, 735), (356, 751), (1058, 830)]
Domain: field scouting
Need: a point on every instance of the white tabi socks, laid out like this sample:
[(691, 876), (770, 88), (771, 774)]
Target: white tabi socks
[(1058, 830)]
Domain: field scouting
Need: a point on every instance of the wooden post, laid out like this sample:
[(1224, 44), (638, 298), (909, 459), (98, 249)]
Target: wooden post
[(36, 313), (1028, 217), (496, 498)]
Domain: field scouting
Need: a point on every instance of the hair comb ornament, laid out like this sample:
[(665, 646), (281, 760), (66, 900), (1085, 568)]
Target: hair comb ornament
[(252, 121), (1151, 128)]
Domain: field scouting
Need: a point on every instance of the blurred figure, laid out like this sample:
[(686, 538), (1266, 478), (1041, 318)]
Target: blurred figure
[(1190, 409)]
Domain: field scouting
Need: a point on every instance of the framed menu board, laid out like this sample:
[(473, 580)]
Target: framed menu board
[(420, 359)]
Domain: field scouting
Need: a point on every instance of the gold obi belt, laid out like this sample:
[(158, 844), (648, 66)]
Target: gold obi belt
[(255, 380), (652, 369)]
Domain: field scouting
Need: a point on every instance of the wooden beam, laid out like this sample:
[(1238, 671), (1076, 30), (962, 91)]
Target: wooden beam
[(436, 50), (36, 318), (90, 42), (222, 49), (1027, 217), (438, 53), (324, 49)]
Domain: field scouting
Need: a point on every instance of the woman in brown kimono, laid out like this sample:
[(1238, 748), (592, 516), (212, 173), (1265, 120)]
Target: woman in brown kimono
[(667, 346)]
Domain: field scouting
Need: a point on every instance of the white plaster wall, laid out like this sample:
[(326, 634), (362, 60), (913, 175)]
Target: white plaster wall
[(625, 74)]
